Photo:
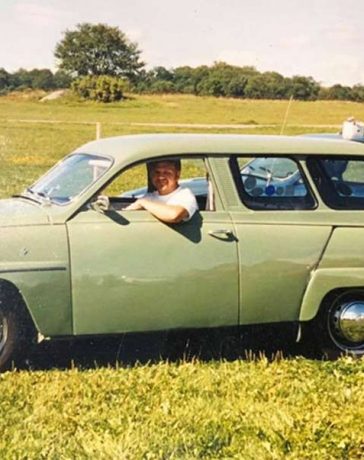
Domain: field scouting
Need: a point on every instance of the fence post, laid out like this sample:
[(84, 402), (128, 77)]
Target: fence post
[(98, 130)]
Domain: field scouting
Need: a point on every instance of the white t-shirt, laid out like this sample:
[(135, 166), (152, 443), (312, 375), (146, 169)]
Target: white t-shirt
[(179, 197)]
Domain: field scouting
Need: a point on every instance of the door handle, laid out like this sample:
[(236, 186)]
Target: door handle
[(221, 232)]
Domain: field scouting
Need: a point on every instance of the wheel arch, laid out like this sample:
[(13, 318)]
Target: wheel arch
[(46, 297), (10, 294), (325, 283)]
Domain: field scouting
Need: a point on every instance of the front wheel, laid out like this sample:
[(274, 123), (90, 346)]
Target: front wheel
[(339, 326), (12, 336)]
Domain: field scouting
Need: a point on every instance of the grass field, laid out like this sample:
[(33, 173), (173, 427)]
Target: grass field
[(34, 135), (288, 409), (291, 408)]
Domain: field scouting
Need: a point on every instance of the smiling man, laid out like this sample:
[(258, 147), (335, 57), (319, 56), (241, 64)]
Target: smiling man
[(169, 203)]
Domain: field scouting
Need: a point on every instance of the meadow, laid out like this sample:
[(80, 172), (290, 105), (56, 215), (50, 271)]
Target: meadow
[(34, 135), (290, 407)]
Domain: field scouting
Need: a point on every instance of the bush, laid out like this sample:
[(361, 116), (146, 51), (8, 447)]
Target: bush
[(100, 88)]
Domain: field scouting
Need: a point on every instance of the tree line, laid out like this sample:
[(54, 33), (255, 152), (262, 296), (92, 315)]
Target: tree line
[(35, 79), (99, 62), (224, 80)]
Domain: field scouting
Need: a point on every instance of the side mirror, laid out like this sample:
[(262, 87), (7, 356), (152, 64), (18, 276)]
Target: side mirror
[(101, 204)]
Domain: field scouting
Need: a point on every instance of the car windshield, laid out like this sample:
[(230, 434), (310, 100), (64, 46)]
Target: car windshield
[(70, 177)]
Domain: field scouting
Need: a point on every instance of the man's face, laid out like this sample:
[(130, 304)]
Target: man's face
[(164, 176)]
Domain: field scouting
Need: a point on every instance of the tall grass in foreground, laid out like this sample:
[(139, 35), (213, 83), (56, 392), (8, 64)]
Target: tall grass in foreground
[(291, 409)]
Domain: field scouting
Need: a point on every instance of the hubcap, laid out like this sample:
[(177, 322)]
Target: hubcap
[(348, 321), (3, 331)]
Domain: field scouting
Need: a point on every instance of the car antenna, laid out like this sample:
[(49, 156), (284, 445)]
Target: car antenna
[(286, 115)]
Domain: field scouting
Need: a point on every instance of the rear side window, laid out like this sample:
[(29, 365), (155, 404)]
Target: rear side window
[(339, 180), (271, 183)]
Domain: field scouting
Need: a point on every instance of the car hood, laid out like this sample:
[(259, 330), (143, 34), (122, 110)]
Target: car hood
[(19, 211)]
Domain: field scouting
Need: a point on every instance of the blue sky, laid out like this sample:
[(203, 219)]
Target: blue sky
[(319, 38)]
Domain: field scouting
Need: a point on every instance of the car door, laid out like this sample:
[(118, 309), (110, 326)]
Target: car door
[(280, 241), (131, 272)]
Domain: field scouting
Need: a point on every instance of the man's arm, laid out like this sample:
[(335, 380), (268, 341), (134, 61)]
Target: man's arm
[(169, 213)]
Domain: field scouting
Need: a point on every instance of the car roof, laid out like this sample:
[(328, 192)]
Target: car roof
[(130, 148), (331, 136)]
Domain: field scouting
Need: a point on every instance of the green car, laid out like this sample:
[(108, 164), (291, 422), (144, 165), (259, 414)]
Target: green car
[(279, 238)]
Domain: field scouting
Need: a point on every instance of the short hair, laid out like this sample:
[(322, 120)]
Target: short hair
[(175, 162)]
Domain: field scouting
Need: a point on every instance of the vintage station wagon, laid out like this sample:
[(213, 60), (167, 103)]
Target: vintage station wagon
[(279, 238)]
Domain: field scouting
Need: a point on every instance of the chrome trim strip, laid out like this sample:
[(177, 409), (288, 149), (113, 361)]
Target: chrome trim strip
[(44, 269)]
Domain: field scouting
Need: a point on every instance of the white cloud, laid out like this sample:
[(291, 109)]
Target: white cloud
[(342, 68), (341, 34), (295, 41), (134, 35), (32, 13)]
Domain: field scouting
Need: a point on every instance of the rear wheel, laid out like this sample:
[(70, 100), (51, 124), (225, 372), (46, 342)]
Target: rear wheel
[(340, 328)]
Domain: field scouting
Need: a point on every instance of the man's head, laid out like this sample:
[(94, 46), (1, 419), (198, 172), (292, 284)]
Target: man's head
[(164, 175)]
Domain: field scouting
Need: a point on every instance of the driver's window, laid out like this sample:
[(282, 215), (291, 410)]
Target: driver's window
[(133, 183)]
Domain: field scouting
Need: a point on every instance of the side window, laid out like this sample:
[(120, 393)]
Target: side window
[(340, 181), (134, 182), (271, 183)]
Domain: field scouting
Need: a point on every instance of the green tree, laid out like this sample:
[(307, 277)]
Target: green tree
[(226, 80), (62, 80), (161, 73), (41, 79), (159, 80), (275, 85), (256, 87), (304, 88), (98, 49), (21, 79), (212, 86), (188, 79), (339, 92), (4, 80), (358, 93), (162, 86)]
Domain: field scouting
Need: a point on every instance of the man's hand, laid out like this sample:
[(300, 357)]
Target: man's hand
[(101, 204)]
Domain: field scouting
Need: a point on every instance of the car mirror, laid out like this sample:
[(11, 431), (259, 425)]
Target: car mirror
[(101, 204)]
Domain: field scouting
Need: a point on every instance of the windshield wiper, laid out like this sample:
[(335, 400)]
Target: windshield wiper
[(25, 196)]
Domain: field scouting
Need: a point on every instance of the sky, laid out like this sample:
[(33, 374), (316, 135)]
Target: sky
[(318, 38)]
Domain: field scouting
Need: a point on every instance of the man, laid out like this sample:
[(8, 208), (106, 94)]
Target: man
[(169, 203)]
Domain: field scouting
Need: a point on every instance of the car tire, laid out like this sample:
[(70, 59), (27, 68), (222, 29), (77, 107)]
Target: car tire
[(13, 336), (339, 326)]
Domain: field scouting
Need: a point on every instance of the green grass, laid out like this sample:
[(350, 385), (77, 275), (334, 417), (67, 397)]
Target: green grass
[(182, 109), (30, 141), (285, 409)]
